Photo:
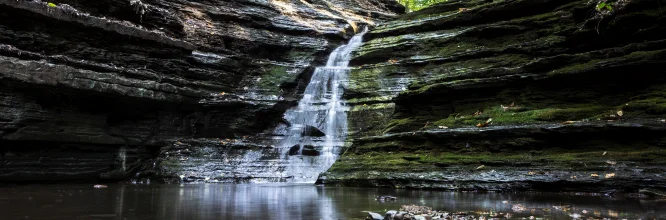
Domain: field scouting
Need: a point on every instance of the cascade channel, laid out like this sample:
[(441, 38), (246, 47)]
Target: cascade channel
[(318, 125), (316, 130)]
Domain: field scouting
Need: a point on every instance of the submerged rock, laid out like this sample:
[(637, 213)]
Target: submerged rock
[(385, 198)]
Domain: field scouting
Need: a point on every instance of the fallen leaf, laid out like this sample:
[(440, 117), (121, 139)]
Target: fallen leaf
[(481, 167), (611, 162), (604, 154), (488, 122), (442, 127), (620, 113), (609, 175), (594, 175), (463, 9)]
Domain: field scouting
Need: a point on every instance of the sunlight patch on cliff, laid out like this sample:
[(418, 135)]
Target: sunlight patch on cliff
[(287, 9), (349, 14), (196, 22)]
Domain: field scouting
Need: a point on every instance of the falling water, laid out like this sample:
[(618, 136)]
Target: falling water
[(122, 154), (319, 122)]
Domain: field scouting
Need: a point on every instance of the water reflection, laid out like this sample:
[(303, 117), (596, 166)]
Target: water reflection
[(217, 201)]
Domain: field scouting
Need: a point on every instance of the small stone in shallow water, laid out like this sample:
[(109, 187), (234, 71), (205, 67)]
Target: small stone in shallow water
[(386, 198), (100, 186), (390, 214), (419, 217), (374, 216)]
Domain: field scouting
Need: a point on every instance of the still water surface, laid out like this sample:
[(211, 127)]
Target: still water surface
[(271, 201)]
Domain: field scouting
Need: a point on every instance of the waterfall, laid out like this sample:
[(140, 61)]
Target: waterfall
[(122, 155), (318, 125)]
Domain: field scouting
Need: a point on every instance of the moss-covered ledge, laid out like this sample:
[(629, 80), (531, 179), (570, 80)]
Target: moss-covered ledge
[(595, 156)]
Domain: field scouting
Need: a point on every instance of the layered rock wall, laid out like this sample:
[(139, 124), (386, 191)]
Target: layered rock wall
[(510, 95), (84, 82)]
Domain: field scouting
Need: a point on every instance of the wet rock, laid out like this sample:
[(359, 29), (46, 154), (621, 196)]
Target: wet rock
[(402, 215), (390, 214), (385, 198), (312, 131), (306, 150), (374, 216), (420, 217)]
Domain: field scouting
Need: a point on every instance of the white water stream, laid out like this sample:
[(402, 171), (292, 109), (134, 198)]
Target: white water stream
[(319, 123)]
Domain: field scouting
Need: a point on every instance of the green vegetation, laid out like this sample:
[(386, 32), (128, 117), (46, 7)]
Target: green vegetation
[(415, 5), (605, 5), (273, 79), (521, 115), (52, 5), (416, 160)]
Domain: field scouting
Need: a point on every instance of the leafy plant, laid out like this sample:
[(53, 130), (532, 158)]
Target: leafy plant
[(415, 5), (605, 5), (50, 4)]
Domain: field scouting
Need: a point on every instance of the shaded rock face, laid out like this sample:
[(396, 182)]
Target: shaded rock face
[(89, 78), (576, 98)]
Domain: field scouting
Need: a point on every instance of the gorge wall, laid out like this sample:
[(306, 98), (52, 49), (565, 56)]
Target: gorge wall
[(118, 89), (510, 95)]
